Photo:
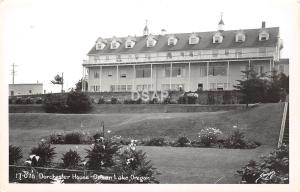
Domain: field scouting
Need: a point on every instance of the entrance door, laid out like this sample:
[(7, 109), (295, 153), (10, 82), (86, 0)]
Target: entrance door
[(11, 93), (200, 86)]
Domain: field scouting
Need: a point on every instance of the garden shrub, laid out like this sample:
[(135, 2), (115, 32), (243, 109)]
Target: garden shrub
[(55, 138), (55, 104), (29, 100), (10, 101), (39, 100), (78, 102), (19, 100), (181, 100), (182, 142), (133, 162), (45, 153), (73, 138), (156, 142), (101, 101), (273, 168), (113, 100), (15, 154), (237, 141), (102, 153), (71, 159), (209, 136)]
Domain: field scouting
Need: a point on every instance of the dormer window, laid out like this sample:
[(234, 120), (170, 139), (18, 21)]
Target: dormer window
[(263, 36), (114, 44), (151, 41), (193, 39), (172, 41), (100, 44), (129, 44), (240, 37), (217, 38)]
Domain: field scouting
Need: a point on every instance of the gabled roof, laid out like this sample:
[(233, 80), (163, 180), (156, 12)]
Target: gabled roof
[(205, 42)]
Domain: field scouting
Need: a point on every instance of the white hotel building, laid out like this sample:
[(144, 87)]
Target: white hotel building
[(183, 61)]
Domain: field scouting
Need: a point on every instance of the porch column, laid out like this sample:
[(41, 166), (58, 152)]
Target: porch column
[(249, 65), (151, 77), (171, 68), (87, 72), (270, 66), (207, 68), (133, 79), (189, 83), (117, 78), (227, 75), (83, 80), (100, 76)]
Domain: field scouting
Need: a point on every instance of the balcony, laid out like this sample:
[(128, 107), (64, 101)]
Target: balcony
[(202, 56)]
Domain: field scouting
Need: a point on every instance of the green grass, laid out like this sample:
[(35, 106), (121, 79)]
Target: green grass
[(177, 165)]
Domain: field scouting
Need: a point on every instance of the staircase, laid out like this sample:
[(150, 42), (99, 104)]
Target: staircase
[(284, 131)]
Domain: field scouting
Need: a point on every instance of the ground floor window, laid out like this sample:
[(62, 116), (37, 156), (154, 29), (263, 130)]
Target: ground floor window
[(144, 87), (219, 86), (120, 88), (217, 69), (173, 87), (95, 88), (143, 71)]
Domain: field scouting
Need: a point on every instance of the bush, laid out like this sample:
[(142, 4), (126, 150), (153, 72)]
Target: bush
[(56, 139), (237, 141), (45, 153), (39, 100), (114, 100), (273, 168), (55, 104), (181, 100), (29, 100), (10, 101), (101, 101), (156, 142), (19, 100), (133, 162), (15, 154), (78, 102), (71, 159), (209, 136), (182, 142), (73, 138), (101, 155)]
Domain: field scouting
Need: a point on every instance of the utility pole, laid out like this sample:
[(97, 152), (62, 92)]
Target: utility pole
[(13, 73), (62, 82)]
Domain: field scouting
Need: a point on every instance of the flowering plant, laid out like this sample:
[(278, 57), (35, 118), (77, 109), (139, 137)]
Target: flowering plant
[(209, 135)]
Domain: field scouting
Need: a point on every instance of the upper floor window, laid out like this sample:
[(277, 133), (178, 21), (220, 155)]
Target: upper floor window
[(240, 37), (169, 55), (172, 41), (96, 75), (129, 43), (193, 39), (100, 43), (114, 44), (263, 36), (119, 58), (215, 53), (151, 41), (217, 38)]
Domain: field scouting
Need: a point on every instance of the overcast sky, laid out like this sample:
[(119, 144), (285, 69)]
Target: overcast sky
[(46, 37)]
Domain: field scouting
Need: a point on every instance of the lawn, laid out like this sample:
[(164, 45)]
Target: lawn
[(177, 165)]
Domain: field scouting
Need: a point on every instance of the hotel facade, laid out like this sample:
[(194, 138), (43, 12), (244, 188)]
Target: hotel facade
[(183, 61)]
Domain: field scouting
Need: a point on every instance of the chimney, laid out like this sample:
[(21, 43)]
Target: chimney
[(263, 24)]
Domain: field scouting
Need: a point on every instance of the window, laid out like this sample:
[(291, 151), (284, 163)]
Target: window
[(106, 57), (217, 38), (215, 53), (148, 56), (30, 91), (100, 45), (169, 55), (238, 53), (182, 54), (129, 87), (212, 86), (226, 52), (109, 73), (177, 71), (96, 75), (259, 69), (95, 88), (191, 54), (175, 87), (136, 56), (240, 37), (143, 87), (262, 51), (172, 41), (203, 70), (193, 39), (123, 75), (129, 44), (143, 71), (114, 44), (151, 42), (263, 36), (217, 69), (119, 59)]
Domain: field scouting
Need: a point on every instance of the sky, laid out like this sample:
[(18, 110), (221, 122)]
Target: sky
[(48, 37)]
